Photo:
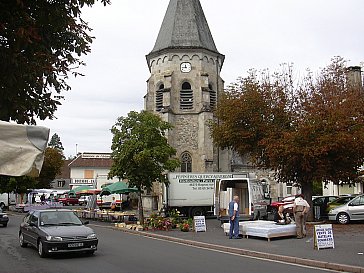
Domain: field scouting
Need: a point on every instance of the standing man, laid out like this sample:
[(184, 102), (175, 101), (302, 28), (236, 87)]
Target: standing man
[(234, 218), (300, 210)]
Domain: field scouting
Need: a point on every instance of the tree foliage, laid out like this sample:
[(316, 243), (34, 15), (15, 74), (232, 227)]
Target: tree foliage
[(56, 143), (140, 151), (52, 166), (311, 130), (41, 42)]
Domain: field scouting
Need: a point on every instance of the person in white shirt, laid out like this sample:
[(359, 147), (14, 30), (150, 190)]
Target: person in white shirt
[(300, 210)]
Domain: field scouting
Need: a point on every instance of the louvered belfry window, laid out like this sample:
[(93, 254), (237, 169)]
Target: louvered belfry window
[(159, 98), (213, 97), (186, 97)]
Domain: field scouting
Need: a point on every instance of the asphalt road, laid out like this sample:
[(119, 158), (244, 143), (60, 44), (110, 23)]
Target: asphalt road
[(120, 252)]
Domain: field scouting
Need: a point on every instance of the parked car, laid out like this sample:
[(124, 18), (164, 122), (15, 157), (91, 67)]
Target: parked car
[(351, 211), (338, 202), (56, 231), (67, 200), (322, 202), (4, 219), (83, 200), (286, 202)]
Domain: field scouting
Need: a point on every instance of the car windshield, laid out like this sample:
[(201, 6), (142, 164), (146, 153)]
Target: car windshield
[(343, 200), (56, 218)]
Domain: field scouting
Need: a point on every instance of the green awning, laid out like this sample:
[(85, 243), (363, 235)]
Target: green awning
[(78, 189), (117, 187)]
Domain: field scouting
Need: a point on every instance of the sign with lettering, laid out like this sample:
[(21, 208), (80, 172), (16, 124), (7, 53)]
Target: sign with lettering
[(199, 223), (323, 236)]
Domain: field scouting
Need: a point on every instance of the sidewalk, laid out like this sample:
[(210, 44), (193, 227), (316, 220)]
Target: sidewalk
[(349, 245)]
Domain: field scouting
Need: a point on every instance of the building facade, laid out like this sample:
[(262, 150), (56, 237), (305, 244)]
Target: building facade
[(90, 169)]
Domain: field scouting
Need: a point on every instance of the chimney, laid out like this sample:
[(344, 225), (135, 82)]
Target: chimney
[(354, 75)]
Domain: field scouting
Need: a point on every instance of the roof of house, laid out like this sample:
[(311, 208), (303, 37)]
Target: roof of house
[(92, 160), (184, 26)]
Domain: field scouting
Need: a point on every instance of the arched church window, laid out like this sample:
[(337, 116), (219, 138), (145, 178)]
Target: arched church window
[(213, 97), (159, 98), (186, 162), (186, 97)]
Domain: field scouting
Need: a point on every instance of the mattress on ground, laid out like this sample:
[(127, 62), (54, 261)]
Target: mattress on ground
[(270, 230), (226, 227), (243, 226)]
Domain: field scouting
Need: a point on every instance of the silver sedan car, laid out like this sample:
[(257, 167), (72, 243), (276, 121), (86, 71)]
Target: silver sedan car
[(351, 211)]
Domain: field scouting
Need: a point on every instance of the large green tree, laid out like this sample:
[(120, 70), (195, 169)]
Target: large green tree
[(41, 42), (52, 166), (307, 130), (140, 151)]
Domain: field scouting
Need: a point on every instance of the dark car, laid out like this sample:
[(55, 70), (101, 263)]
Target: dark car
[(320, 205), (56, 231), (4, 219)]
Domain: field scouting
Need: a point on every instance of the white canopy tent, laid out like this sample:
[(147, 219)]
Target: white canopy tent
[(22, 149)]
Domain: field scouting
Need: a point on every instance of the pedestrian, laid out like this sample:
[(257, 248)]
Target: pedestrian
[(281, 218), (42, 198), (234, 218), (300, 210), (33, 198), (113, 204)]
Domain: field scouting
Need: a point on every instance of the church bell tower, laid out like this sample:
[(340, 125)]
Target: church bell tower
[(185, 84)]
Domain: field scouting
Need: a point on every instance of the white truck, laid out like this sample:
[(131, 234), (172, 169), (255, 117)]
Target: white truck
[(210, 193), (7, 199)]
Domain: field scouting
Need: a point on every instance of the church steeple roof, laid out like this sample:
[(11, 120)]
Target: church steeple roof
[(184, 26)]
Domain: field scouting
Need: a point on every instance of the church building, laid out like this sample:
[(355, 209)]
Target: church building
[(185, 84)]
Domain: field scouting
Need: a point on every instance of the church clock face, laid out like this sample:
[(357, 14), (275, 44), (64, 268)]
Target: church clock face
[(185, 67)]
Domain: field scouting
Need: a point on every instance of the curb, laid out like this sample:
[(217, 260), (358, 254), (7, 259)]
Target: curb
[(245, 252)]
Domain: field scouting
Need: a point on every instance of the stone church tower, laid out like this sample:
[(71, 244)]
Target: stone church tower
[(185, 85)]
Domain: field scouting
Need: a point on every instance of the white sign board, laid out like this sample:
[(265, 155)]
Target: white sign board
[(199, 223), (324, 237)]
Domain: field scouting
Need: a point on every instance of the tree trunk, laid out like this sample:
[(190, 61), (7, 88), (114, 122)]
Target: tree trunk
[(307, 189), (140, 208)]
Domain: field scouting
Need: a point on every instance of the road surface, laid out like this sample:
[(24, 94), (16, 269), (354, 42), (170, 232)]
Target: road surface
[(119, 252)]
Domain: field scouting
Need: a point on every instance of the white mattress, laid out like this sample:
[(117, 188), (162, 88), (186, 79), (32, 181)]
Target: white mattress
[(271, 230), (265, 229)]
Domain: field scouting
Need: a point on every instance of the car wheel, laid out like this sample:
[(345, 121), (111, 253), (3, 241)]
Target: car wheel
[(21, 241), (343, 218), (41, 251), (197, 211)]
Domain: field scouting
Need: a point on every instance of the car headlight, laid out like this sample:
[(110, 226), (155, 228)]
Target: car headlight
[(5, 216), (92, 236), (54, 238)]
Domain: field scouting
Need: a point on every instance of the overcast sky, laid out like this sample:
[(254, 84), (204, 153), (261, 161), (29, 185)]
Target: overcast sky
[(251, 34)]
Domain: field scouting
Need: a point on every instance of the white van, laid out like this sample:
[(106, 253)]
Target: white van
[(5, 199)]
